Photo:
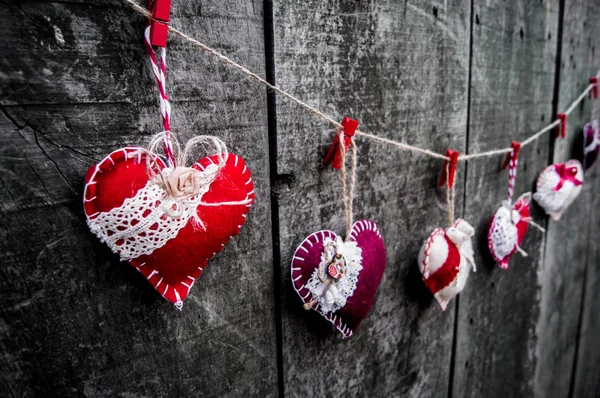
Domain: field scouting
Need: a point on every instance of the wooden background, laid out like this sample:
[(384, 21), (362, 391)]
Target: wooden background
[(467, 74)]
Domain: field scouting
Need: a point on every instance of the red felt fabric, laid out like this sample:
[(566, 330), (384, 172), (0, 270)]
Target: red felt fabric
[(180, 261), (522, 206), (445, 274)]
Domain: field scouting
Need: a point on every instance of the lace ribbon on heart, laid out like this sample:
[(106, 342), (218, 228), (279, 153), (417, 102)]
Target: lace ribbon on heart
[(168, 201), (333, 282), (504, 235)]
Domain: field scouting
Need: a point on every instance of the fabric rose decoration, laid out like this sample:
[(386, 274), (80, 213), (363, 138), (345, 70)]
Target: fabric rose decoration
[(184, 182)]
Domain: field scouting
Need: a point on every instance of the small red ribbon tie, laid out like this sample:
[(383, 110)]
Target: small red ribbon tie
[(594, 83), (333, 154), (562, 126), (449, 168), (566, 174), (514, 154)]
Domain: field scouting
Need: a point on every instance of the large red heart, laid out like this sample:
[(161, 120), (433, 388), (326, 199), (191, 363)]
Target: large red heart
[(307, 259), (173, 266)]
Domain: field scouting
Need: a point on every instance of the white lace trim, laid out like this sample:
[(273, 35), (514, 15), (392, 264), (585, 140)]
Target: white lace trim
[(142, 224), (504, 233), (333, 298)]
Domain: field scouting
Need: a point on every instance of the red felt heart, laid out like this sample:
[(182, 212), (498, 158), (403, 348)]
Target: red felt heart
[(173, 267), (307, 259)]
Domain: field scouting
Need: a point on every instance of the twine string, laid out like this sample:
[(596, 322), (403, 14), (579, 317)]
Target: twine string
[(209, 145), (401, 146), (347, 188)]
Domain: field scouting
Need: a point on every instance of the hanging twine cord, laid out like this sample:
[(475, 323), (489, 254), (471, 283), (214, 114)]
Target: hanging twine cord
[(401, 146), (347, 191), (209, 145)]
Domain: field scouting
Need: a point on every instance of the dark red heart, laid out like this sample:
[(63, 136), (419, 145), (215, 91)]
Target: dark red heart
[(174, 267), (373, 260)]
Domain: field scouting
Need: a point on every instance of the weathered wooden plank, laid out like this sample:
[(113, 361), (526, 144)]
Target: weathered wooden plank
[(563, 274), (586, 378), (401, 69), (583, 59), (514, 51), (76, 321)]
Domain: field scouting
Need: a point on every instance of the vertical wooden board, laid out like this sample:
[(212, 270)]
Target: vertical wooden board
[(586, 378), (401, 69), (514, 50), (585, 382), (75, 320), (563, 274)]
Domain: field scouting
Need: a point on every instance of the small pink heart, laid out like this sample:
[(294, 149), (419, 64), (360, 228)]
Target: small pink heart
[(342, 289)]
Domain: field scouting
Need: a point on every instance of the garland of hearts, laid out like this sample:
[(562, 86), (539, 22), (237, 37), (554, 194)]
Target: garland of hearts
[(168, 216)]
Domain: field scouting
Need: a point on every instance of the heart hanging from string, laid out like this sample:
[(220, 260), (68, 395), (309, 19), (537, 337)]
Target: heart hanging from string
[(510, 223), (446, 257), (558, 186), (335, 277), (167, 218), (168, 222)]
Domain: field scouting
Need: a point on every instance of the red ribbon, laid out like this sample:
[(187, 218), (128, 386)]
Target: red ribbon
[(514, 154), (566, 174), (594, 83), (562, 126), (448, 173), (333, 154)]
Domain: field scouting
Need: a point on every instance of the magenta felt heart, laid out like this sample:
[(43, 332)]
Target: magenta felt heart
[(340, 279)]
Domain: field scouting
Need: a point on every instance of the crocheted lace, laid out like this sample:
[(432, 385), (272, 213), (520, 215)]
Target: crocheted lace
[(333, 298), (146, 221), (504, 233)]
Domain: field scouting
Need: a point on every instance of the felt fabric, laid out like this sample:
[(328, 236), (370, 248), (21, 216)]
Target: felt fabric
[(446, 259), (373, 261), (591, 144), (173, 268), (558, 186), (508, 228)]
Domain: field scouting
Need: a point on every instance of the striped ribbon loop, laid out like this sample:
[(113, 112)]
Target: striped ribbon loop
[(512, 161), (160, 72)]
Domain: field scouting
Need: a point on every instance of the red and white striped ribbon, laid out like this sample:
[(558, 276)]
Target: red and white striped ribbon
[(160, 71), (512, 160), (512, 175)]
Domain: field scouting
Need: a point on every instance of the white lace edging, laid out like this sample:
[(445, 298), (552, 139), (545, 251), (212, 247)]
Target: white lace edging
[(142, 223), (503, 234), (333, 298)]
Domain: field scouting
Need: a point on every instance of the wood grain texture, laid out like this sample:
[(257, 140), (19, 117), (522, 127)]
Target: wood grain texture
[(75, 85), (585, 381), (586, 378), (568, 350), (562, 275), (400, 69), (514, 48)]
